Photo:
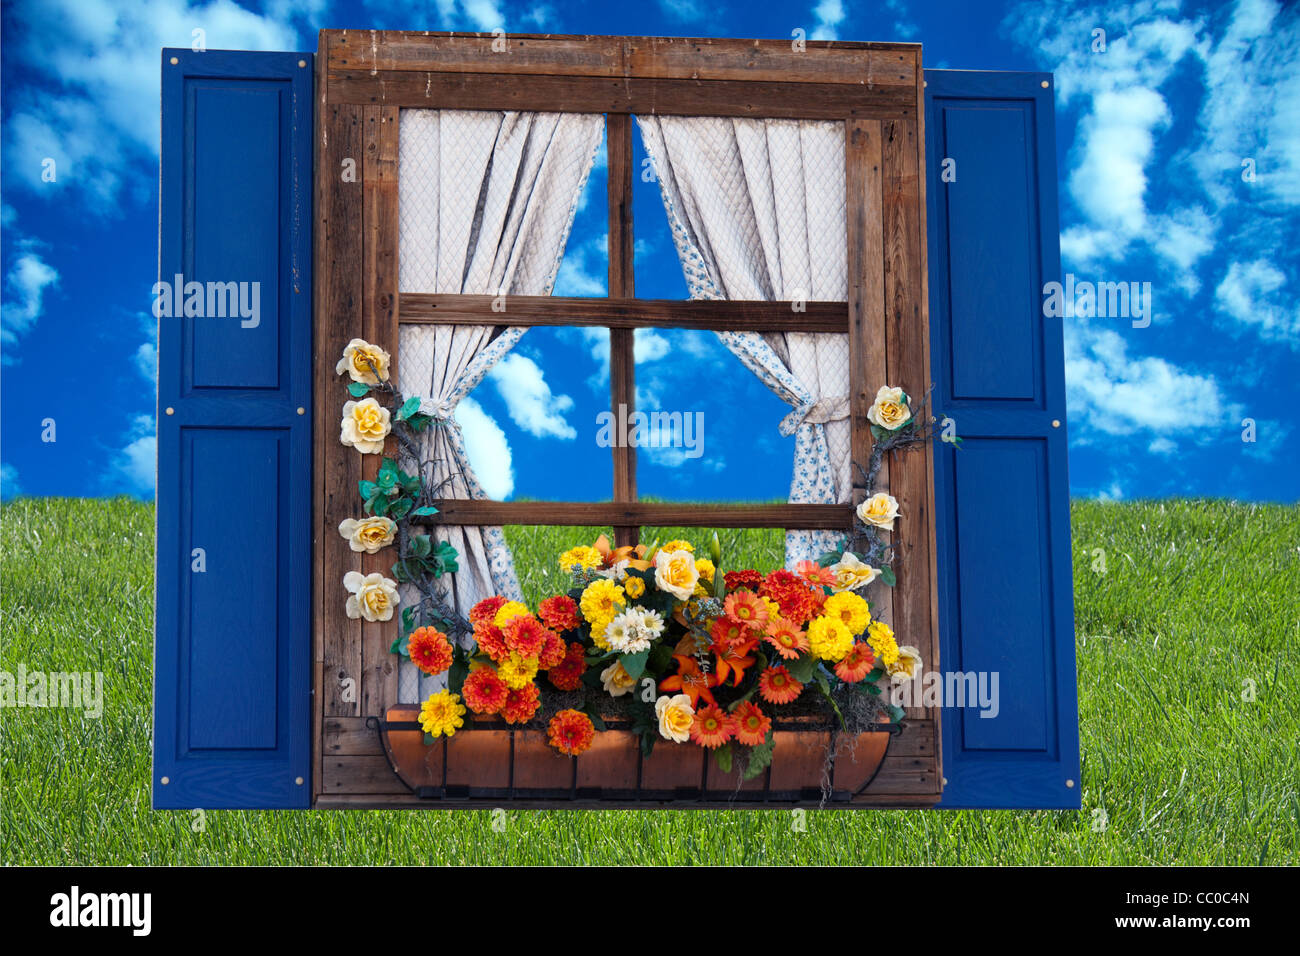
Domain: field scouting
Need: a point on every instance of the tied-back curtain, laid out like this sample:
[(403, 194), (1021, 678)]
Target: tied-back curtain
[(486, 202), (757, 211)]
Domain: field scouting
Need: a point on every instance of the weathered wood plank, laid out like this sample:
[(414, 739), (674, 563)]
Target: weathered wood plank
[(349, 736), (609, 513), (364, 774), (622, 283)]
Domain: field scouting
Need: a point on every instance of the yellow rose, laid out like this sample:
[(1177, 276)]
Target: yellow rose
[(880, 510), (365, 426), (907, 667), (675, 718), (368, 534), (358, 357), (852, 573), (616, 680), (675, 573), (373, 597), (890, 410)]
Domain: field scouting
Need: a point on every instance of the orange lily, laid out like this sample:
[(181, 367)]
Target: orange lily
[(634, 555), (733, 659), (691, 681)]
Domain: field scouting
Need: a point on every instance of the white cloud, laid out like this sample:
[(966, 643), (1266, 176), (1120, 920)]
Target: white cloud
[(528, 397), (25, 286), (1247, 295), (487, 448), (584, 269), (827, 17), (683, 10), (9, 484), (146, 361), (134, 467), (485, 15)]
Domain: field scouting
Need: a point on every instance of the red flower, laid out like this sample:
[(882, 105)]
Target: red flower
[(429, 650), (712, 727), (751, 724), (776, 686), (485, 611), (571, 732), (560, 613), (525, 635), (491, 641), (567, 675), (798, 601), (742, 579), (553, 651), (521, 704), (484, 691), (856, 664), (726, 631)]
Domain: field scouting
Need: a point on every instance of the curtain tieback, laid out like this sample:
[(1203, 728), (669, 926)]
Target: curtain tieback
[(816, 413), (439, 411)]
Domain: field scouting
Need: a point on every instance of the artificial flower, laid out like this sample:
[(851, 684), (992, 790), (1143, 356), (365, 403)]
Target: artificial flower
[(724, 630), (373, 597), (712, 727), (616, 680), (890, 409), (851, 573), (560, 613), (880, 510), (705, 568), (776, 686), (508, 610), (553, 651), (627, 633), (571, 732), (616, 571), (429, 650), (788, 640), (677, 544), (368, 534), (733, 659), (881, 638), (521, 704), (675, 572), (365, 426), (491, 641), (442, 713), (484, 691), (363, 362), (856, 664), (517, 670), (567, 675), (690, 680), (599, 600), (814, 573), (485, 611), (907, 666), (650, 621), (849, 608), (798, 601), (751, 724), (634, 586), (735, 580), (829, 638), (675, 715), (746, 608), (525, 635), (584, 556)]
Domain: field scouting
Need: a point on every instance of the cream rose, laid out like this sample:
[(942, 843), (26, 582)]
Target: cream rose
[(358, 357), (880, 510), (851, 573), (907, 667), (373, 597), (890, 410), (365, 426), (368, 534), (675, 718), (616, 680), (675, 572)]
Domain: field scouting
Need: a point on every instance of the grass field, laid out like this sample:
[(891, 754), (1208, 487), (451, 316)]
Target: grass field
[(1197, 599)]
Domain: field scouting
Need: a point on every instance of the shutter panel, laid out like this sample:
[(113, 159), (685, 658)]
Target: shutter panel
[(232, 642), (1002, 497)]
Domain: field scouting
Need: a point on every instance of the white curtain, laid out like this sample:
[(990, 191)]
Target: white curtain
[(757, 211), (486, 201)]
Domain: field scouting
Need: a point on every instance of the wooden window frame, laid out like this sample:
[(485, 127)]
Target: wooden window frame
[(364, 79)]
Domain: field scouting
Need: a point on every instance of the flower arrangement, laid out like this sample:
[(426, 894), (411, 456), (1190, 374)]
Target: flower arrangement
[(661, 638)]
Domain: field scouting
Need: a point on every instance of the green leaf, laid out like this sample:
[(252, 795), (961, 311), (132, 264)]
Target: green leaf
[(895, 713), (367, 489), (421, 545), (634, 664), (401, 645), (424, 511), (829, 558), (760, 758), (399, 508), (419, 421), (458, 672), (378, 505), (803, 668), (428, 739), (887, 575), (401, 574), (409, 408), (723, 755), (358, 389)]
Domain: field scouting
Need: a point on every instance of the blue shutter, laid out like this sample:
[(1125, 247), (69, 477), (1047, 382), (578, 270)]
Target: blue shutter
[(232, 642), (1002, 497)]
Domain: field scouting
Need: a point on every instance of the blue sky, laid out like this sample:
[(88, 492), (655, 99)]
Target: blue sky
[(1152, 135)]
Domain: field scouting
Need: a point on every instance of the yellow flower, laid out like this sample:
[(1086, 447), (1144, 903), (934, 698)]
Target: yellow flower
[(675, 717), (829, 638), (583, 556), (880, 509), (677, 544), (358, 357), (365, 426), (517, 671), (373, 597), (598, 635), (508, 610), (368, 534), (442, 714), (773, 609), (881, 638), (907, 667), (598, 601), (616, 680), (852, 573), (889, 410), (634, 586), (675, 573), (700, 590), (704, 567), (850, 609)]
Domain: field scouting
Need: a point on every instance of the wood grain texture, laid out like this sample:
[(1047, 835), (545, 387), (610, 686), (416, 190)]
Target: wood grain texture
[(624, 313), (622, 283), (640, 514)]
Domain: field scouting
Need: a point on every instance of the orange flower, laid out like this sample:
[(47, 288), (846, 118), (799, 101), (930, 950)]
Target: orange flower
[(571, 732), (560, 613), (814, 573), (725, 631), (521, 704), (485, 611), (745, 608), (776, 686), (733, 659), (712, 727), (797, 599), (751, 724), (567, 675), (788, 640), (484, 691), (856, 664), (491, 641), (525, 635), (553, 651), (429, 650), (691, 681)]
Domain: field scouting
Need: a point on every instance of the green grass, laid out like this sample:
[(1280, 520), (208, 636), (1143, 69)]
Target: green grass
[(1197, 598)]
